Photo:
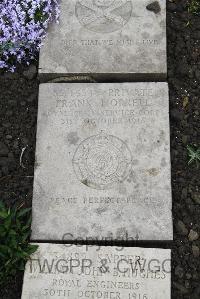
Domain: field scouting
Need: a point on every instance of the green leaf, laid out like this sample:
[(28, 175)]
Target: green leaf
[(7, 222), (4, 248), (3, 214), (13, 243), (8, 262), (14, 247), (32, 249), (29, 221), (2, 206), (23, 212), (22, 265), (25, 236), (2, 230), (194, 155), (12, 232), (2, 255), (21, 254), (18, 224), (25, 227)]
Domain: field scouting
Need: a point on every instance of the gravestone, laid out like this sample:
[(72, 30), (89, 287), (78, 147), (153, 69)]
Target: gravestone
[(107, 39), (55, 271), (102, 166)]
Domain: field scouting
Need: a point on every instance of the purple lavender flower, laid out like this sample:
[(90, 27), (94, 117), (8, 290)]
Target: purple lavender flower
[(23, 25)]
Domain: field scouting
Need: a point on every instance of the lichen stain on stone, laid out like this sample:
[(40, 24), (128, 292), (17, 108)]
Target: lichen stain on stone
[(163, 162), (147, 25), (135, 162), (73, 138), (131, 177), (83, 231), (160, 140), (101, 210), (167, 188), (122, 189), (146, 35), (162, 24), (136, 187), (117, 217), (109, 235), (153, 171), (40, 192), (89, 123), (97, 228), (37, 163), (121, 233), (154, 7)]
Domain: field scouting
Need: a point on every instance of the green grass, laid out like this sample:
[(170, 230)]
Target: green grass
[(194, 7), (194, 155), (15, 249)]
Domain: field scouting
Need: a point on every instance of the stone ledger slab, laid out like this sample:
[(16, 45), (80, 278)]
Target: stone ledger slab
[(109, 39), (56, 271), (102, 162)]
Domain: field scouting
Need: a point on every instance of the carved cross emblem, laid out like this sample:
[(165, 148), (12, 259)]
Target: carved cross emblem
[(103, 15)]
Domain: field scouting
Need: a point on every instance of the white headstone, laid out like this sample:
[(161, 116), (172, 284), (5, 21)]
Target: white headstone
[(107, 39), (102, 162), (57, 271)]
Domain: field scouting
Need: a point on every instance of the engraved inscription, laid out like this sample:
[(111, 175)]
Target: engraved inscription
[(101, 161), (119, 274), (103, 16)]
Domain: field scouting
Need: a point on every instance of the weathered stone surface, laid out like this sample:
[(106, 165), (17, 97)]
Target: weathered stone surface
[(107, 39), (56, 271), (102, 162)]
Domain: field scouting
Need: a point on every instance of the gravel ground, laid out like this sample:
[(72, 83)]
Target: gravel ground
[(18, 114), (184, 83)]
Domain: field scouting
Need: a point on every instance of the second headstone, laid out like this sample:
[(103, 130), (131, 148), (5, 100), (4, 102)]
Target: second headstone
[(107, 39), (102, 162)]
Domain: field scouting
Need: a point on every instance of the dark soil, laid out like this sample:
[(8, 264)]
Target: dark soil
[(18, 113), (184, 84)]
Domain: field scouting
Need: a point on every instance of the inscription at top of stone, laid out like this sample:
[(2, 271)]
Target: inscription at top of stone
[(107, 39)]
